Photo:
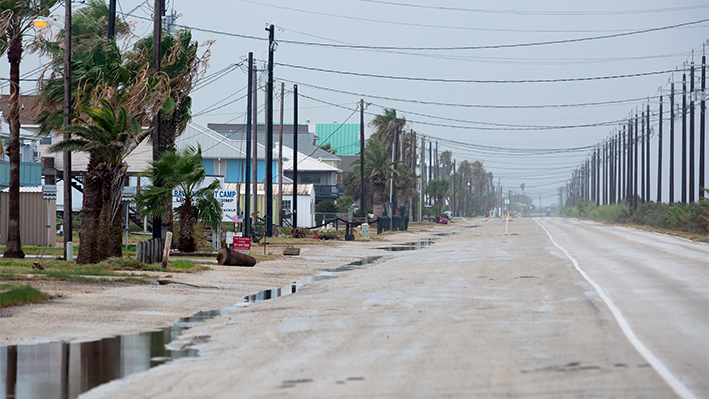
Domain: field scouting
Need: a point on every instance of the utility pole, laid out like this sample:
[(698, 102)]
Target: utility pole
[(254, 120), (157, 139), (659, 155), (430, 161), (642, 157), (629, 168), (437, 172), (454, 191), (623, 164), (68, 231), (635, 164), (247, 166), (691, 131), (702, 127), (684, 137), (295, 157), (361, 159), (647, 152), (280, 161), (112, 19), (269, 135), (672, 142)]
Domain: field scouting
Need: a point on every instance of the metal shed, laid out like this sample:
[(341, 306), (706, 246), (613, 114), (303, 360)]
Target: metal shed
[(33, 217)]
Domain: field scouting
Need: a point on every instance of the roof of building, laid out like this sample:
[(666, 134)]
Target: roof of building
[(343, 137), (215, 145), (306, 140), (27, 111), (306, 163)]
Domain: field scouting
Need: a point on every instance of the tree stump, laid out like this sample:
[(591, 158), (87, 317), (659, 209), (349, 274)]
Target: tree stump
[(229, 257)]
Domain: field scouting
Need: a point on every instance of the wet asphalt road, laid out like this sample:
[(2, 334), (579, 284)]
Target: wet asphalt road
[(660, 286), (478, 314)]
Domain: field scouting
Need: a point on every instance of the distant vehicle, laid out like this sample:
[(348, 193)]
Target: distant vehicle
[(548, 212), (459, 218)]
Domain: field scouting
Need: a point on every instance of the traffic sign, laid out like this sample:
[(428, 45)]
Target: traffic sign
[(49, 192)]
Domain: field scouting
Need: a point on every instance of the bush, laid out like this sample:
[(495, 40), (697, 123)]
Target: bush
[(692, 218)]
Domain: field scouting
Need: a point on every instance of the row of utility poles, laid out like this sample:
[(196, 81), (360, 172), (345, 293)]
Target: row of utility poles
[(621, 167)]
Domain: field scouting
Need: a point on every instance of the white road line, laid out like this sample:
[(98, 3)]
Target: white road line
[(680, 389)]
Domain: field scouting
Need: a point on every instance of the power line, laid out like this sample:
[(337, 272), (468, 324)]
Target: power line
[(520, 12), (598, 103), (443, 80)]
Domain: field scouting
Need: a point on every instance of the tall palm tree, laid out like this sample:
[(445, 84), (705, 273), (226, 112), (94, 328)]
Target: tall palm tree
[(16, 20), (377, 170), (405, 181), (181, 66), (181, 171), (387, 125), (438, 189), (109, 134), (447, 162)]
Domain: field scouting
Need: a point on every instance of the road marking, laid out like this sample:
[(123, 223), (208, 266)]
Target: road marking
[(680, 389)]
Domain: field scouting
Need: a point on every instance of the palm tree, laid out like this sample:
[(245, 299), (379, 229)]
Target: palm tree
[(16, 19), (480, 181), (181, 66), (109, 135), (181, 171), (405, 181), (387, 125), (438, 189), (447, 162), (377, 171)]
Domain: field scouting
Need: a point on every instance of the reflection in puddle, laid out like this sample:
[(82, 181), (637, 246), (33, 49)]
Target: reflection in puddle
[(326, 274), (410, 246), (65, 370)]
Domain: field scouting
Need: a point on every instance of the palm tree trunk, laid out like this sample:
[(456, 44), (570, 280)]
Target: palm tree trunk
[(91, 213), (14, 246), (104, 232), (378, 199), (116, 232), (187, 221)]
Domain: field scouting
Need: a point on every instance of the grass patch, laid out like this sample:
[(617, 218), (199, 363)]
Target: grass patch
[(686, 220), (20, 294)]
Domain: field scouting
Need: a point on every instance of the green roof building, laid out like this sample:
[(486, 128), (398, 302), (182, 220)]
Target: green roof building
[(342, 137)]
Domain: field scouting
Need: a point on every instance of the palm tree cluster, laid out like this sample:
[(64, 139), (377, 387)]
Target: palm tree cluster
[(389, 166), (115, 93), (390, 161)]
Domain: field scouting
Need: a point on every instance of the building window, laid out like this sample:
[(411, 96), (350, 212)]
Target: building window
[(287, 204), (46, 140)]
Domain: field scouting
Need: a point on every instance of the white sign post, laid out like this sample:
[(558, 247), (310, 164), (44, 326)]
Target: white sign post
[(507, 219), (49, 192)]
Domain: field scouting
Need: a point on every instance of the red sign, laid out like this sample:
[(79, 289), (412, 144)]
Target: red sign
[(242, 244)]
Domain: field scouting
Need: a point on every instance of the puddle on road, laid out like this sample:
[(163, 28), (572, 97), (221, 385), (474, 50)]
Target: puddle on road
[(64, 370), (410, 246)]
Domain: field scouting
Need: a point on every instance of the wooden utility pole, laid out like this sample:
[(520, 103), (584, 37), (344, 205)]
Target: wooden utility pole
[(294, 201), (647, 152), (68, 231), (702, 127), (254, 120), (684, 138), (280, 161), (157, 139), (691, 164), (362, 203), (672, 142), (659, 155), (642, 157), (247, 166), (269, 135)]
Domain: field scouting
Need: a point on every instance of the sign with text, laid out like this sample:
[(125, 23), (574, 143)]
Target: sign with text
[(242, 244)]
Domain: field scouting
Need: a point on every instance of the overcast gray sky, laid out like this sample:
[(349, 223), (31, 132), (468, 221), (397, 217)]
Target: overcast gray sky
[(390, 34)]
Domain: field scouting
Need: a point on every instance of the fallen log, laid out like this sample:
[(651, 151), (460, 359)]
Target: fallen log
[(229, 257)]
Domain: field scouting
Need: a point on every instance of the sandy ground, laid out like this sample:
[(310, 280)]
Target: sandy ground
[(86, 311)]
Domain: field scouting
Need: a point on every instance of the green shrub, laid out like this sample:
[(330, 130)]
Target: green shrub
[(20, 294)]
